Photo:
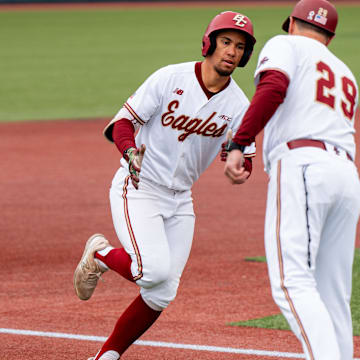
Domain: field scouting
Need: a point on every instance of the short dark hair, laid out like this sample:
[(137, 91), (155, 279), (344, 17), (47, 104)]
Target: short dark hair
[(305, 25)]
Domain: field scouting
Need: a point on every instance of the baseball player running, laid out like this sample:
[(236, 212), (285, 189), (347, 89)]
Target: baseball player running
[(306, 99), (183, 113)]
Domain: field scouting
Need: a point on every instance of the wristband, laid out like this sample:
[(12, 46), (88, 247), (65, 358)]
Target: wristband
[(234, 146)]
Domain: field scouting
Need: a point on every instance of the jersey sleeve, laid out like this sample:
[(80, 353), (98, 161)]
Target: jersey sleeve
[(250, 151), (277, 54), (122, 114), (141, 105), (147, 98)]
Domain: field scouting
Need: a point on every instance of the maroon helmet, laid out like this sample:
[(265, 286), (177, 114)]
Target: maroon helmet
[(229, 20), (320, 13)]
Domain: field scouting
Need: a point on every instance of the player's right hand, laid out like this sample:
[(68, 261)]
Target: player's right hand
[(135, 157), (234, 167)]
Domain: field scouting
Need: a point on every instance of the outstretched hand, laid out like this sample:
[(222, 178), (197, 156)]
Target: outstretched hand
[(234, 169)]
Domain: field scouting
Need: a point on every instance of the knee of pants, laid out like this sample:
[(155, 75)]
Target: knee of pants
[(159, 297), (154, 273), (277, 293), (294, 288)]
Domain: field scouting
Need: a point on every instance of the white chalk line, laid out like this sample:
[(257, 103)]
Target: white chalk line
[(157, 344)]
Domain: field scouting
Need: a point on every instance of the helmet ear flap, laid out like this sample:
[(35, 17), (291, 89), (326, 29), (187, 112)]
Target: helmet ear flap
[(247, 54), (212, 46)]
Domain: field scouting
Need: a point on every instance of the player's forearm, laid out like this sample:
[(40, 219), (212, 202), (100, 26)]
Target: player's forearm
[(123, 135), (269, 94)]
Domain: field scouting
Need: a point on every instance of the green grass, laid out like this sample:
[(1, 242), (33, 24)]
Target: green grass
[(256, 259), (278, 321), (355, 298), (82, 63)]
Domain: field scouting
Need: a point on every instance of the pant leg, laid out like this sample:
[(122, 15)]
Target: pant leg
[(180, 234), (335, 256), (291, 266), (155, 225), (139, 224), (179, 228)]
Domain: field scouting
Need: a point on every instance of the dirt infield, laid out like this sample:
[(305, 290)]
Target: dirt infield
[(54, 195)]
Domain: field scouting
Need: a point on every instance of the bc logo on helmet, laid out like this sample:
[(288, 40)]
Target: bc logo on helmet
[(240, 20)]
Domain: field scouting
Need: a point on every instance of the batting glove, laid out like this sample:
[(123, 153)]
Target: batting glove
[(135, 157)]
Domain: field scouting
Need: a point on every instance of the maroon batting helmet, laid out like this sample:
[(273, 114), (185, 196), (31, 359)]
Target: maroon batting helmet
[(320, 13), (229, 20)]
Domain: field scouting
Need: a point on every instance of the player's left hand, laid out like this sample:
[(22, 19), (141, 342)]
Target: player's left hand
[(135, 158), (234, 169)]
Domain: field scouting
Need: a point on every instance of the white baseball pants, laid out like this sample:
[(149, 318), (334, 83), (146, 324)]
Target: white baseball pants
[(312, 211), (155, 225)]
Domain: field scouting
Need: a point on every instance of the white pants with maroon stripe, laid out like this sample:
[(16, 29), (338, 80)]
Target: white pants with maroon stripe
[(155, 225), (312, 210)]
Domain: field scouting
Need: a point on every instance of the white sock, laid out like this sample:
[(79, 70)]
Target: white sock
[(103, 252), (110, 355)]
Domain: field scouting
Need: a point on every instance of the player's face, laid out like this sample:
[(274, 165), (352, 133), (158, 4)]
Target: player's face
[(230, 47)]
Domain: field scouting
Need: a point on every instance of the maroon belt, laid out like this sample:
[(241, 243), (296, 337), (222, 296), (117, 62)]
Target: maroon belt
[(298, 143)]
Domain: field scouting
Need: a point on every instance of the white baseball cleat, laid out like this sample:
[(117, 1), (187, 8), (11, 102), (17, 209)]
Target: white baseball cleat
[(88, 271)]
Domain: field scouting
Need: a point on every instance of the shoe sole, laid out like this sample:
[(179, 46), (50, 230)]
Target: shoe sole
[(87, 245)]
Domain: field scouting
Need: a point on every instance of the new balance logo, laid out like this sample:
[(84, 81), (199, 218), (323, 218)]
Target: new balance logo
[(178, 91)]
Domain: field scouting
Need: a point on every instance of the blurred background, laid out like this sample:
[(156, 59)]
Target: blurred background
[(70, 61)]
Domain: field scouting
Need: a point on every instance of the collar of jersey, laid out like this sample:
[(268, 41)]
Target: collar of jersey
[(208, 93)]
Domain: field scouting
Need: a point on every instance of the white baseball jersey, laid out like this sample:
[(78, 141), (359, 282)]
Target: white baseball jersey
[(316, 77), (181, 127)]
